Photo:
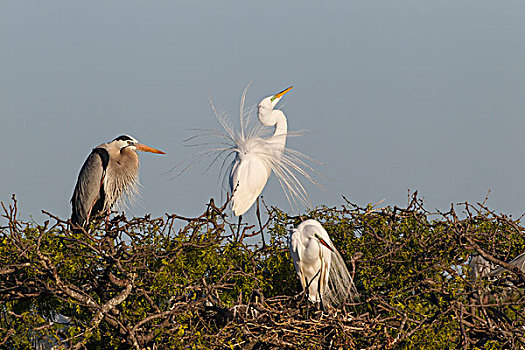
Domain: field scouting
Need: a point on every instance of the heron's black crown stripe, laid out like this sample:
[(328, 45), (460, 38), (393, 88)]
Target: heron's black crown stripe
[(123, 138)]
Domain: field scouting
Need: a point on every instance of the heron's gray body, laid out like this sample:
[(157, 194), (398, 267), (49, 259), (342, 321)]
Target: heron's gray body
[(518, 261), (480, 267), (110, 171)]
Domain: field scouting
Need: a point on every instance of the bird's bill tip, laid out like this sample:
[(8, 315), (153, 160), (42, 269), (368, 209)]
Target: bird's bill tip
[(323, 242), (281, 94), (144, 148)]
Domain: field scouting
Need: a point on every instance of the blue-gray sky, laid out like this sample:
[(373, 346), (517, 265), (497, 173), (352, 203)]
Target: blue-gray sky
[(419, 95)]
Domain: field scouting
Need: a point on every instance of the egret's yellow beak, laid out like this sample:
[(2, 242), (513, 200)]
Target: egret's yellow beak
[(281, 94), (323, 242), (142, 147)]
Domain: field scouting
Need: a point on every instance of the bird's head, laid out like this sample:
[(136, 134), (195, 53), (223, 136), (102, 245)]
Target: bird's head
[(269, 103), (126, 141)]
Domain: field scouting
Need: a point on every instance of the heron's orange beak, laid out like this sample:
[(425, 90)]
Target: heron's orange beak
[(323, 242), (281, 94), (142, 147)]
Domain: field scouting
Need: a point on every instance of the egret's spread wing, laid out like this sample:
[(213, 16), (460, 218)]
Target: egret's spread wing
[(88, 196)]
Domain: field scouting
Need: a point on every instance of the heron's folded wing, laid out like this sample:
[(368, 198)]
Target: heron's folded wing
[(89, 190)]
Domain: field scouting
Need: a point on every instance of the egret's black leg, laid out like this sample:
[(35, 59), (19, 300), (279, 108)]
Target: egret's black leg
[(307, 290), (319, 294), (260, 225), (239, 226)]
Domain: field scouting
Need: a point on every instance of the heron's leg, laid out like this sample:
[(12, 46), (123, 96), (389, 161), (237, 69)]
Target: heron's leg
[(239, 226), (319, 295), (307, 285), (260, 225), (307, 291), (106, 219)]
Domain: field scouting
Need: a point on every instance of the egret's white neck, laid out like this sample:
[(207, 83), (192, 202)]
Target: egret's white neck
[(276, 118)]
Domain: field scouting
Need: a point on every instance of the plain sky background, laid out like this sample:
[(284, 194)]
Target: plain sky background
[(398, 95)]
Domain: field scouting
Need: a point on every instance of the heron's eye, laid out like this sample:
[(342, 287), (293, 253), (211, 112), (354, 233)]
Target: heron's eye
[(129, 142)]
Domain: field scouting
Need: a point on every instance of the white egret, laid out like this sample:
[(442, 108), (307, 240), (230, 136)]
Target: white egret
[(321, 269), (253, 163), (257, 156)]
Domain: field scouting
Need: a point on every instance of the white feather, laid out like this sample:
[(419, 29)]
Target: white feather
[(323, 271), (256, 155)]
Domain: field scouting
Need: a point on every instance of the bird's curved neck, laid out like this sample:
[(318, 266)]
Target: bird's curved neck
[(276, 118)]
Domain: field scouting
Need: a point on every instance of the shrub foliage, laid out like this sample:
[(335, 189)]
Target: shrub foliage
[(178, 282)]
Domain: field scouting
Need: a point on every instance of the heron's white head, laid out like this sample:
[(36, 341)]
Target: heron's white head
[(126, 141), (269, 103)]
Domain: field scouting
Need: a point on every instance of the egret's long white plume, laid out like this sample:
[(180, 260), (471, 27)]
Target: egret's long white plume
[(291, 167), (321, 269)]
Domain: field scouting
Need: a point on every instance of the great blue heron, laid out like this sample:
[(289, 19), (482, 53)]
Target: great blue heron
[(109, 171), (518, 261), (321, 269), (480, 267)]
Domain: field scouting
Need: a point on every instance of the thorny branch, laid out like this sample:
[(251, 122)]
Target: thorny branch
[(179, 282)]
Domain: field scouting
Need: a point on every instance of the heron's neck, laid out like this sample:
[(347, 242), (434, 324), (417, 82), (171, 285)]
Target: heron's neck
[(281, 128)]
